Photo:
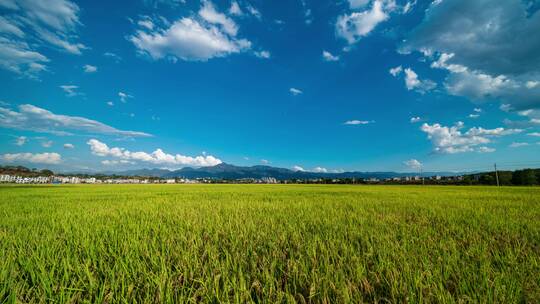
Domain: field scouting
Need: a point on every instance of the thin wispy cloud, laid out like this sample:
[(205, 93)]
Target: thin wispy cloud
[(32, 118)]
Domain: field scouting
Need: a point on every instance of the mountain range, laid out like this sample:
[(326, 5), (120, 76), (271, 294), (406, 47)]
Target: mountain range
[(228, 171)]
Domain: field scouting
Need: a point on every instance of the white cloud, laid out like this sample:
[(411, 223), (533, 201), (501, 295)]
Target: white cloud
[(479, 86), (10, 27), (36, 119), (295, 91), (89, 68), (264, 161), (116, 162), (537, 134), (21, 140), (164, 3), (488, 47), (355, 122), (452, 140), (68, 146), (38, 158), (71, 90), (412, 82), (110, 103), (477, 110), (262, 54), (320, 170), (485, 150), (47, 143), (26, 25), (396, 71), (494, 37), (354, 4), (327, 56), (532, 84), (209, 13), (408, 6), (156, 157), (518, 144), (235, 9), (113, 56), (413, 164), (474, 115), (19, 58), (124, 96), (253, 11), (298, 168), (415, 119), (356, 25), (146, 23), (211, 35)]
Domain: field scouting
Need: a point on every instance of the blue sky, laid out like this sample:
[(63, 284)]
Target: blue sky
[(367, 85)]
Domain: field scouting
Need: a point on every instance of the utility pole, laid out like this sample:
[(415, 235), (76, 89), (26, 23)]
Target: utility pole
[(422, 175), (496, 174)]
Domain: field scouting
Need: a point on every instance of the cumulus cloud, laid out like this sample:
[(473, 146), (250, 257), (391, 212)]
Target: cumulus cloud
[(27, 25), (298, 168), (264, 161), (415, 119), (452, 140), (32, 118), (396, 71), (21, 140), (69, 146), (208, 35), (295, 91), (157, 157), (89, 68), (320, 170), (38, 158), (354, 26), (413, 164), (211, 15), (355, 122), (490, 49), (412, 82), (327, 56)]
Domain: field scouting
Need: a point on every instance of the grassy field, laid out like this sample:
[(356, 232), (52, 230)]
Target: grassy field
[(266, 243)]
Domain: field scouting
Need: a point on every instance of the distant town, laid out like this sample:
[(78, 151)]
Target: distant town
[(23, 175)]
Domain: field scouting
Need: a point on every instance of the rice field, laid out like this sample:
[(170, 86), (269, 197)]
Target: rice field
[(268, 244)]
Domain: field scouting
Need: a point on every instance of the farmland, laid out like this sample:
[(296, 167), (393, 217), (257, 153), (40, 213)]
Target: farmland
[(269, 243)]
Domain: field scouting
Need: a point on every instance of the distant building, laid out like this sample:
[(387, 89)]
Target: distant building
[(268, 180)]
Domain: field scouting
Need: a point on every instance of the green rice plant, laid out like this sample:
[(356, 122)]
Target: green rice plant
[(268, 244)]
